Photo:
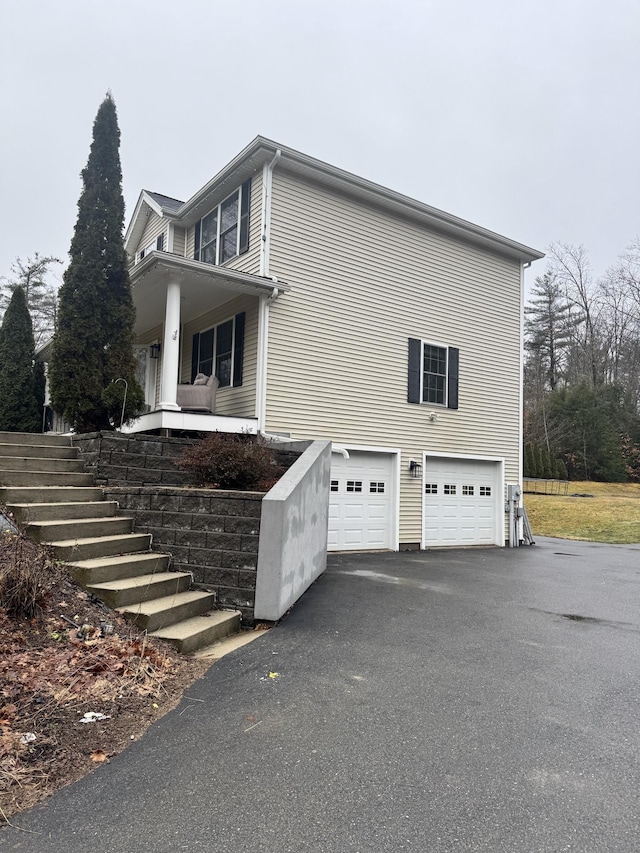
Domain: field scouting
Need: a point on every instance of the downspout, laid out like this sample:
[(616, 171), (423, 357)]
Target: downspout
[(265, 301), (518, 532)]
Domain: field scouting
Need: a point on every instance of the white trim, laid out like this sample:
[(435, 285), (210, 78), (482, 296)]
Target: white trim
[(499, 497), (355, 186), (163, 263), (262, 362), (263, 216), (195, 422), (171, 348), (521, 383), (218, 209), (265, 257), (170, 236), (214, 328), (424, 342), (134, 224), (391, 451)]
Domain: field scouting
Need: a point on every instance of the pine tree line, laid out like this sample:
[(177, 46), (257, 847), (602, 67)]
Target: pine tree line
[(582, 365)]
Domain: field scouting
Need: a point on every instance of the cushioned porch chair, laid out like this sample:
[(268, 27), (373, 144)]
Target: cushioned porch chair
[(199, 397)]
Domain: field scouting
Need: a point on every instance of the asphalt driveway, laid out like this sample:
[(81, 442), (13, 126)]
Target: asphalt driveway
[(469, 700)]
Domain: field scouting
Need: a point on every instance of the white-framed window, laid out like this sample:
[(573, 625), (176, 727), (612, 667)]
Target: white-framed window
[(354, 485), (468, 491), (334, 485), (220, 350), (224, 232), (433, 374), (376, 487), (154, 245), (449, 489), (485, 491), (431, 488)]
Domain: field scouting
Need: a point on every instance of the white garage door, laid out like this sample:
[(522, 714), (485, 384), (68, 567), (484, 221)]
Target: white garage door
[(361, 505), (462, 499)]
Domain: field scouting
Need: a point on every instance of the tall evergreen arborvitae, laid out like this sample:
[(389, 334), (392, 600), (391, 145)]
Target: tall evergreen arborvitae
[(93, 342), (18, 407)]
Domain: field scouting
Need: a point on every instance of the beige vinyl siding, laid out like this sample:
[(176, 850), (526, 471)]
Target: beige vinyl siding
[(240, 401), (249, 261), (178, 241), (150, 336), (363, 282), (155, 226)]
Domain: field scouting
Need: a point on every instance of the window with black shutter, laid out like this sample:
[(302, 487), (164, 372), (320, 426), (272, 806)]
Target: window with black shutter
[(432, 374), (224, 232), (220, 350)]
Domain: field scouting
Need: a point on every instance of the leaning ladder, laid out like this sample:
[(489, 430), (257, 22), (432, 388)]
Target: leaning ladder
[(527, 534)]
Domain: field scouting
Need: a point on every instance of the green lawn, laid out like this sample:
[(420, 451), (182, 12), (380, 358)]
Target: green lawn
[(611, 515)]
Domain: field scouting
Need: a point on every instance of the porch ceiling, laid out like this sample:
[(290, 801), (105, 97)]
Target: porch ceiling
[(202, 287)]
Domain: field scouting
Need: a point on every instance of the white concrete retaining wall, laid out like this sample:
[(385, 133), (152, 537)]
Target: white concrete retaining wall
[(293, 532)]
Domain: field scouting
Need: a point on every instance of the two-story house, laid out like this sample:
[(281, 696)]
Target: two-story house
[(331, 307)]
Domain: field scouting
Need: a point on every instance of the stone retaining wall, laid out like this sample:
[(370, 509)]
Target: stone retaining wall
[(119, 460), (212, 534), (116, 459)]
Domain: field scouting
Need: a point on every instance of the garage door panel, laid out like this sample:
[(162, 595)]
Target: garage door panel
[(361, 510), (460, 501)]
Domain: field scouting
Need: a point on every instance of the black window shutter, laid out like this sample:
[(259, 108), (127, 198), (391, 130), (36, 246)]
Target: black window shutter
[(196, 241), (415, 357), (160, 243), (452, 378), (245, 202), (194, 355), (238, 350)]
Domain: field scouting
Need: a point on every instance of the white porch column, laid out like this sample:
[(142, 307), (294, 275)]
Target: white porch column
[(170, 349)]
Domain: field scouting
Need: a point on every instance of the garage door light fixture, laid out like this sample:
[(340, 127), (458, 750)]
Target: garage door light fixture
[(415, 470)]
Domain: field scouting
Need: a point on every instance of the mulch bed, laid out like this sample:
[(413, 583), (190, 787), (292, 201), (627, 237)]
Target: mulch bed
[(73, 657)]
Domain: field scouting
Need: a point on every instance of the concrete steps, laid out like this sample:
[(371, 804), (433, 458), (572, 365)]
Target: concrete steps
[(35, 439), (38, 450), (102, 569), (78, 528), (127, 591), (39, 464), (44, 486), (10, 477), (162, 612), (26, 513), (48, 494), (200, 631), (69, 550)]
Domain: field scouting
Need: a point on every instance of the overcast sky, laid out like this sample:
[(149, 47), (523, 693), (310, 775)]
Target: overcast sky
[(519, 115)]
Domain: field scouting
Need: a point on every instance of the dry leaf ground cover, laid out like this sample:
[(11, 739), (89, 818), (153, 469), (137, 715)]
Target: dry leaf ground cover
[(69, 660), (611, 515)]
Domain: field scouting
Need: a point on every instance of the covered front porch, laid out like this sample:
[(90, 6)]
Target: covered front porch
[(196, 319)]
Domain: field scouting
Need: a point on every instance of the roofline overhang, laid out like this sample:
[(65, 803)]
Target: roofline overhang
[(177, 267), (262, 149), (135, 228)]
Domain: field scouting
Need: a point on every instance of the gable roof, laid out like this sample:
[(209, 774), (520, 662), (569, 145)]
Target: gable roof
[(262, 150), (168, 204)]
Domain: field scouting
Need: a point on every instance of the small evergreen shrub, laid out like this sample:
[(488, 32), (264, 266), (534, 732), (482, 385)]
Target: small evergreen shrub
[(231, 461)]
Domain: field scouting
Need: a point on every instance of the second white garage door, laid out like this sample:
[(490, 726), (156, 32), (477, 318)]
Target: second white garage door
[(362, 501), (462, 502)]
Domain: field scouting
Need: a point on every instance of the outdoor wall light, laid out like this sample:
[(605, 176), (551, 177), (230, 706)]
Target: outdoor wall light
[(415, 470), (154, 351)]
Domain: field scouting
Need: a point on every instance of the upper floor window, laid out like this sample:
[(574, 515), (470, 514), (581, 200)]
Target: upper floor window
[(157, 244), (224, 232), (433, 374)]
